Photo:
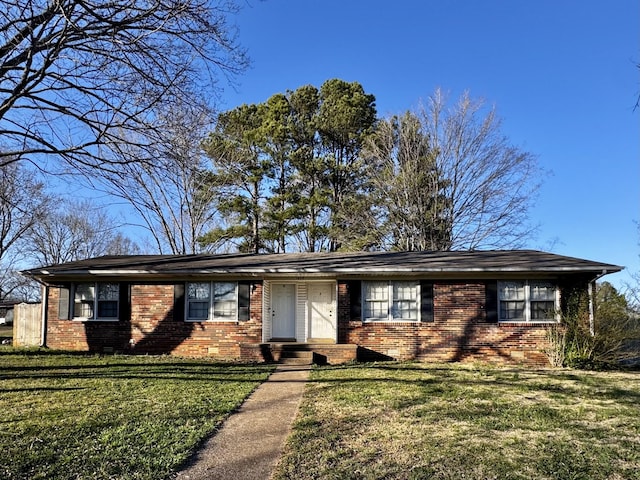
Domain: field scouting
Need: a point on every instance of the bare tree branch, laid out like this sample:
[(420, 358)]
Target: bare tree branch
[(23, 205), (80, 78), (171, 196), (449, 179), (76, 231), (491, 184)]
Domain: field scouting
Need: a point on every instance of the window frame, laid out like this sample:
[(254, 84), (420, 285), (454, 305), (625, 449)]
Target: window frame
[(391, 301), (528, 301), (212, 303), (94, 302)]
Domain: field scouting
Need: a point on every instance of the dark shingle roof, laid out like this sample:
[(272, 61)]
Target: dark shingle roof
[(366, 263)]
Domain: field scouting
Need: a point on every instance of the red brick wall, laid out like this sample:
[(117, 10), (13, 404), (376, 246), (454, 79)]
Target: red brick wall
[(153, 328), (460, 332), (82, 336)]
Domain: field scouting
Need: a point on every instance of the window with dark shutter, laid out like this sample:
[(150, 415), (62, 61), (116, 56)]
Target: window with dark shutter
[(426, 301), (355, 299), (491, 301), (63, 302), (178, 302), (125, 302), (527, 301), (244, 301), (214, 301)]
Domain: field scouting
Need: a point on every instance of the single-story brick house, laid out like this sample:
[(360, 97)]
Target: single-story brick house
[(438, 306)]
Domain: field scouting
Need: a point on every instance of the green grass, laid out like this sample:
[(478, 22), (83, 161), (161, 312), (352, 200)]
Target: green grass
[(413, 421), (98, 417)]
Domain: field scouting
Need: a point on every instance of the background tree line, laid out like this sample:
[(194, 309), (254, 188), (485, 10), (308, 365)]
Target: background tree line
[(315, 169)]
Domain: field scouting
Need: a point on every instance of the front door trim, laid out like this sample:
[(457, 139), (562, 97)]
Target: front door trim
[(280, 327)]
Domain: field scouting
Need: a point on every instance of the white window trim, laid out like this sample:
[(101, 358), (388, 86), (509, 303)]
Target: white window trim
[(527, 303), (210, 317), (389, 318), (95, 318)]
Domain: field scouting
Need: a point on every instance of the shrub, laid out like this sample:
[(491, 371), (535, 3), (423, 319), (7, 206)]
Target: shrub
[(556, 345), (616, 336)]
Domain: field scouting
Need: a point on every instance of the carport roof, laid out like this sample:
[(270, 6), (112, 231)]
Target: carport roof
[(365, 263)]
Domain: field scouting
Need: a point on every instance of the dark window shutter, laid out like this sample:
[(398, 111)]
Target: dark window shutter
[(125, 302), (244, 301), (426, 301), (64, 302), (355, 299), (178, 302), (491, 301)]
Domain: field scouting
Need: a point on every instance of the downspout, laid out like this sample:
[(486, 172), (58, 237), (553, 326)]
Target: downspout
[(45, 304), (591, 288)]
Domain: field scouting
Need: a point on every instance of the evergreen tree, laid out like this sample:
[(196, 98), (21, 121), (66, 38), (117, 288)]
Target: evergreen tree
[(310, 178), (278, 148), (289, 170), (346, 116), (241, 171)]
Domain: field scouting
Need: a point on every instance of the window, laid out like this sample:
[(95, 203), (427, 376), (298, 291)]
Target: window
[(224, 300), (212, 301), (527, 301), (96, 301), (391, 301), (376, 300), (198, 295)]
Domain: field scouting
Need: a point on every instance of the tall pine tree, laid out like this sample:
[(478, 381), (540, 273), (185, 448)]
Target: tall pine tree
[(290, 170), (241, 172)]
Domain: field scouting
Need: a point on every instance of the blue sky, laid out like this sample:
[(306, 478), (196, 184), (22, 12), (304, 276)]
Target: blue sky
[(562, 75)]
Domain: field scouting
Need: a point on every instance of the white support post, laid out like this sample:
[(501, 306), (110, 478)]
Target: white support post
[(592, 322)]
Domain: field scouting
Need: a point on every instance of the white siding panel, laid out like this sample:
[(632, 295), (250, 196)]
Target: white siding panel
[(301, 312), (266, 310)]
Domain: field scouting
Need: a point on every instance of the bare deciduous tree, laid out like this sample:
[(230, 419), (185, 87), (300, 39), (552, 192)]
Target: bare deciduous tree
[(632, 287), (23, 204), (407, 187), (171, 196), (490, 184), (80, 78), (449, 179), (76, 231)]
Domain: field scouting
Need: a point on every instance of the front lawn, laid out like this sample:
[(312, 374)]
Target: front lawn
[(413, 421), (120, 417)]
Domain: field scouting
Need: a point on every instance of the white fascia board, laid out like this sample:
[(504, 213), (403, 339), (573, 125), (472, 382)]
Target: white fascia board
[(329, 271)]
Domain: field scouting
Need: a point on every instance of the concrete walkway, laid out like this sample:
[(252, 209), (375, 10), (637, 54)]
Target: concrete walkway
[(250, 442)]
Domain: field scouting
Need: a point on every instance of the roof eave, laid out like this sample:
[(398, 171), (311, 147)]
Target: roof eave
[(148, 273)]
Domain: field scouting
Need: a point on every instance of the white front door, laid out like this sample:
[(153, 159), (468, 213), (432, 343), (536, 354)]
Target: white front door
[(322, 323), (283, 311)]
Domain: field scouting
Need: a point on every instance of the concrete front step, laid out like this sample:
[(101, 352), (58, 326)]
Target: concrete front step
[(297, 353), (296, 357), (322, 353), (295, 361)]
